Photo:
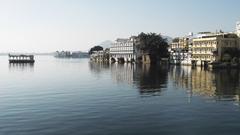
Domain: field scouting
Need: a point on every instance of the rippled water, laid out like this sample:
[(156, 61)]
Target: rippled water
[(76, 97)]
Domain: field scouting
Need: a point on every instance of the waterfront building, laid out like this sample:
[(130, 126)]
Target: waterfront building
[(79, 54), (122, 50), (213, 47), (68, 54), (63, 54), (180, 51), (100, 56)]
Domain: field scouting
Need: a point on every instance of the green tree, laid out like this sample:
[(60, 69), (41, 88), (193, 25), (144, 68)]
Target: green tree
[(153, 44), (95, 48), (176, 40)]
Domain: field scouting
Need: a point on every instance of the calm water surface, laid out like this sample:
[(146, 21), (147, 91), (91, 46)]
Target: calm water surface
[(76, 97)]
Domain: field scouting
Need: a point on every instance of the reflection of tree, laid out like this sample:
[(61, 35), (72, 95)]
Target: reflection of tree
[(150, 78), (226, 82), (147, 78), (98, 68)]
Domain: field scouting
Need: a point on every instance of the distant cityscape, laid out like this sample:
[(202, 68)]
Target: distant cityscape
[(205, 49), (71, 54), (218, 49)]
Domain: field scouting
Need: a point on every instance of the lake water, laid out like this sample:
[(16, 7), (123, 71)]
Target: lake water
[(76, 97)]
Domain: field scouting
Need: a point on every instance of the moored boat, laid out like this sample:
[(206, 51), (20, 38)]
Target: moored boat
[(21, 58)]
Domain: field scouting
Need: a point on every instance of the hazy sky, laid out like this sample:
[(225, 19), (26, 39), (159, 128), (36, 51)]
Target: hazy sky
[(50, 25)]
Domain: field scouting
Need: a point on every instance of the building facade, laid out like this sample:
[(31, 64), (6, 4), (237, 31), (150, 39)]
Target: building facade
[(238, 28), (97, 56), (123, 50), (100, 56), (180, 51), (68, 54), (213, 47)]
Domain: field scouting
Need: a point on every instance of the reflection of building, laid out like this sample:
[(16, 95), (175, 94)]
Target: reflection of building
[(212, 47), (98, 67), (198, 81), (21, 66), (181, 76), (203, 82), (215, 84), (123, 73), (123, 49)]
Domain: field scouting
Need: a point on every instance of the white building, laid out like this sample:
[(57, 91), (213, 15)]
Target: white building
[(123, 50), (97, 56), (182, 58), (238, 28), (180, 51)]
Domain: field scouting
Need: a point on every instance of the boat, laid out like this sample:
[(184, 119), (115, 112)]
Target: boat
[(21, 58)]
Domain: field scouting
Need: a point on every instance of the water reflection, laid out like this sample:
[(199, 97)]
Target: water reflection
[(219, 84), (98, 68), (152, 79), (123, 73), (149, 79), (21, 66)]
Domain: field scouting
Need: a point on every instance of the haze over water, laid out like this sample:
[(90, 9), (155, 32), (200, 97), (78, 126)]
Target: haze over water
[(77, 97)]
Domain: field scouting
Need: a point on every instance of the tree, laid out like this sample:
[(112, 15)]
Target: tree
[(95, 48), (176, 40), (153, 44)]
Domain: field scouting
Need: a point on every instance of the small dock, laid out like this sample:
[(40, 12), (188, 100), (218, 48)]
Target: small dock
[(21, 58)]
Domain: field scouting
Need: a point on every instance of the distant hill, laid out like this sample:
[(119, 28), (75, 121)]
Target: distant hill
[(106, 44), (169, 39)]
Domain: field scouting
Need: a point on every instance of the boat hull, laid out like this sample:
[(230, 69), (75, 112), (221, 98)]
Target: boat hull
[(21, 61)]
